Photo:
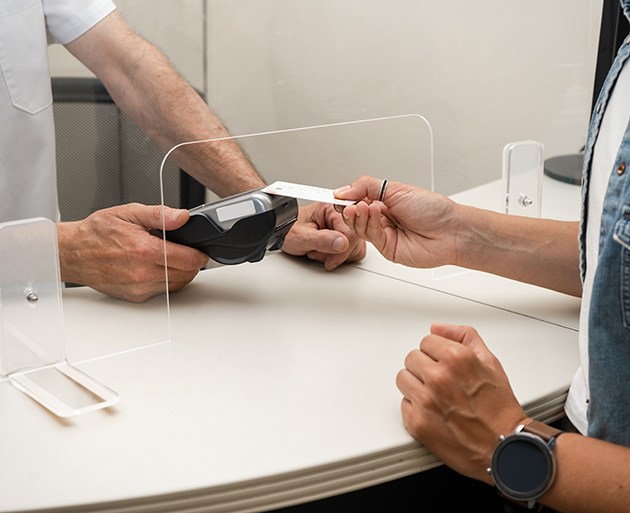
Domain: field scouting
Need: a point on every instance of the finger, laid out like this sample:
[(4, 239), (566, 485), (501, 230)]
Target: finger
[(412, 418), (184, 258), (356, 218), (156, 216), (356, 252), (173, 217), (441, 348), (465, 335), (177, 256), (145, 280), (453, 332), (365, 187), (469, 337), (364, 220), (436, 346), (410, 386), (327, 242), (177, 279), (374, 230), (311, 233), (417, 361)]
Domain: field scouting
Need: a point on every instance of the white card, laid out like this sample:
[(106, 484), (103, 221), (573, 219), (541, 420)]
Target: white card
[(305, 192)]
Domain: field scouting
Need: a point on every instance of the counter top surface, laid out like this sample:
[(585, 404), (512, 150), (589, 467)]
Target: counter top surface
[(277, 386)]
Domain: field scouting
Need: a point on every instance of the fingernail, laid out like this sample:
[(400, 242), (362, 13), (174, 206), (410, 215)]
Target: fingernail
[(339, 244), (341, 189), (175, 214)]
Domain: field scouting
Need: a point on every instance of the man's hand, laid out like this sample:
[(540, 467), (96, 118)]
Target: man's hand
[(113, 252), (321, 234)]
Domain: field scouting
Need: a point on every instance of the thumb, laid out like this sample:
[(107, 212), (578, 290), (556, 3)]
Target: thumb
[(157, 216), (174, 217), (329, 242), (462, 334), (303, 239), (364, 187), (465, 335)]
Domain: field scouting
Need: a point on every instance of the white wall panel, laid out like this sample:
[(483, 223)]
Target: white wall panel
[(483, 73)]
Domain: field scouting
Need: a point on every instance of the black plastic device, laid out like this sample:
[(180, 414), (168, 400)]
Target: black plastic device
[(239, 228)]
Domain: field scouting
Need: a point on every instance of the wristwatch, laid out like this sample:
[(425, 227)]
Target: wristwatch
[(523, 466)]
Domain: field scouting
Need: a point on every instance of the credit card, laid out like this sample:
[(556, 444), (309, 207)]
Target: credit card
[(305, 192)]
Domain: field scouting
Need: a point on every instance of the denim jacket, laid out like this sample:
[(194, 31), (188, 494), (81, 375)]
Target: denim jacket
[(609, 315)]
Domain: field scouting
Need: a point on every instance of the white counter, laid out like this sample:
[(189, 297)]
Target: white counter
[(277, 388)]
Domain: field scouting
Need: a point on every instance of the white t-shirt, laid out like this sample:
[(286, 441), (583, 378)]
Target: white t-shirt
[(28, 185), (612, 129)]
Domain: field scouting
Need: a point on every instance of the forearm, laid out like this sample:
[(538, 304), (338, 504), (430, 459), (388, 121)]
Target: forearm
[(171, 112), (146, 87), (591, 476), (542, 252)]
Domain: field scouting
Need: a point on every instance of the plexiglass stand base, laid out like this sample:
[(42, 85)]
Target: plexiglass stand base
[(32, 348)]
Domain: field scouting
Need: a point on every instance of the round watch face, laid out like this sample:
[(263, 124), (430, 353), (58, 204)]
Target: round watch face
[(522, 466)]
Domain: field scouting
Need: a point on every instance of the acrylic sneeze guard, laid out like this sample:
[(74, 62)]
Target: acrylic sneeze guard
[(42, 349), (397, 148), (523, 168), (48, 329), (32, 345)]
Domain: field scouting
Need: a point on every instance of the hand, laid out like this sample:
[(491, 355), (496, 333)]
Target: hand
[(321, 234), (113, 252), (457, 399), (411, 226)]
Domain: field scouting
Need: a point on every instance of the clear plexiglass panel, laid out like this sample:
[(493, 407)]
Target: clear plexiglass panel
[(397, 148), (32, 345), (522, 178)]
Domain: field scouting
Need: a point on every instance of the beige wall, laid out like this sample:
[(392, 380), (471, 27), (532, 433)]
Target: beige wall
[(482, 73), (176, 27)]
